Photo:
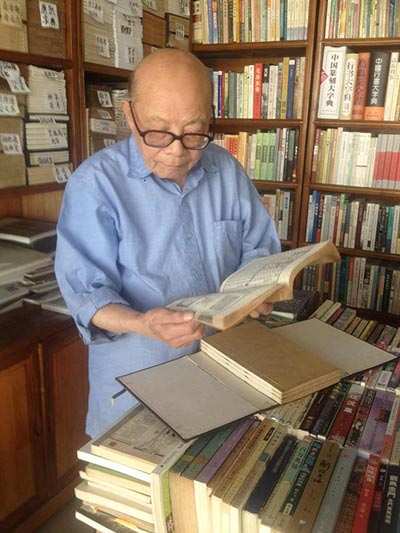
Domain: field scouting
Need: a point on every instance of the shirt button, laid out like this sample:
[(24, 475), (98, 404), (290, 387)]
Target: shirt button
[(198, 277), (189, 235)]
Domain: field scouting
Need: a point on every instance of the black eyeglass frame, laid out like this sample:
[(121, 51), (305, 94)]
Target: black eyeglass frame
[(181, 138)]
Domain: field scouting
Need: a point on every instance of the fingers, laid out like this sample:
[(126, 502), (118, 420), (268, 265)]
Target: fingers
[(174, 328)]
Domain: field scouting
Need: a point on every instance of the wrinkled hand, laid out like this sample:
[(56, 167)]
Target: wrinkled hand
[(174, 328), (262, 309)]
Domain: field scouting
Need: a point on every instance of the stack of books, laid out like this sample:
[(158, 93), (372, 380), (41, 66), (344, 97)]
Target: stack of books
[(177, 28), (128, 33), (99, 32), (125, 479), (102, 128), (12, 111), (46, 28), (328, 461), (123, 129), (13, 30), (47, 127), (154, 25)]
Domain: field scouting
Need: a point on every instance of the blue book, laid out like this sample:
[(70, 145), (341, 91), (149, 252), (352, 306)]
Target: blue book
[(290, 88)]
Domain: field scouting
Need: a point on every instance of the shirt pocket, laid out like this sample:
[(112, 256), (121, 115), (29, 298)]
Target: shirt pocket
[(228, 245)]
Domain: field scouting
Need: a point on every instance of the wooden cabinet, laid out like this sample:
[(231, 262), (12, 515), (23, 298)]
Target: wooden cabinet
[(43, 404)]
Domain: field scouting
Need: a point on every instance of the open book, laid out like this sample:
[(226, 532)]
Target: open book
[(264, 279), (247, 369)]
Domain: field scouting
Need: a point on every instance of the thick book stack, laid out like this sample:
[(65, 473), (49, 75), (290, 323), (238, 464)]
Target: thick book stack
[(46, 127), (126, 477), (13, 30), (358, 281), (128, 33), (12, 137), (260, 90), (46, 28), (102, 128), (118, 96), (222, 22), (98, 30), (265, 155), (326, 462), (359, 86), (280, 206)]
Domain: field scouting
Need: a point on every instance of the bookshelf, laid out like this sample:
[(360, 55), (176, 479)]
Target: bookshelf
[(235, 56), (357, 186)]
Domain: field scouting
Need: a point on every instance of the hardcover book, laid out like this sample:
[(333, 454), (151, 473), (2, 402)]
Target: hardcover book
[(264, 279), (247, 369)]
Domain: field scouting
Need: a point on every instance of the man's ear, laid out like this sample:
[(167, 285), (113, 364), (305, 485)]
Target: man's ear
[(128, 114)]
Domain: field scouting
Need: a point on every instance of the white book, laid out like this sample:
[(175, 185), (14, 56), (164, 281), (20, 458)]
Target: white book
[(389, 94), (15, 260), (333, 66)]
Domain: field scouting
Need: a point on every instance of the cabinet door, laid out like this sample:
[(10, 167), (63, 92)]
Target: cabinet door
[(65, 371), (22, 485)]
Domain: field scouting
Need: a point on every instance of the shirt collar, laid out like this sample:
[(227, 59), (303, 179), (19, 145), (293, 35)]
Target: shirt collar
[(139, 170)]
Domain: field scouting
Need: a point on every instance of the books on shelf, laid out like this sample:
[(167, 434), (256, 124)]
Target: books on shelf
[(46, 28), (13, 29), (17, 260), (247, 369), (264, 279)]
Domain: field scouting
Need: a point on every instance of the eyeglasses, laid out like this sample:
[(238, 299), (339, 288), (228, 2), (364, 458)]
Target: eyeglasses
[(162, 139)]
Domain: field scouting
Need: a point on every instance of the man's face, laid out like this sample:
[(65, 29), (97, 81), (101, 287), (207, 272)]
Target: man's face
[(175, 114)]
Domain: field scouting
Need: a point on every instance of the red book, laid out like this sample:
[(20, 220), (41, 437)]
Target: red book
[(345, 417), (367, 491), (360, 90), (376, 88), (257, 91)]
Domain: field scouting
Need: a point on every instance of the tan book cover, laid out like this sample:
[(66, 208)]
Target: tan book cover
[(247, 369), (46, 28), (154, 29)]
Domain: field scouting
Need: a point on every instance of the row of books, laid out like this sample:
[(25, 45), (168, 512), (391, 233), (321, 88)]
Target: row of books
[(34, 27), (356, 159), (265, 155), (362, 20), (34, 145), (359, 86), (262, 90), (225, 21), (353, 223), (357, 281), (280, 205), (293, 465)]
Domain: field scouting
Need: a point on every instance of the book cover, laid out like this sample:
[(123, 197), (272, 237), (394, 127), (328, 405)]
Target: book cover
[(367, 490), (359, 422), (345, 519), (332, 73), (349, 83), (360, 88), (375, 426), (391, 500), (342, 424), (376, 87)]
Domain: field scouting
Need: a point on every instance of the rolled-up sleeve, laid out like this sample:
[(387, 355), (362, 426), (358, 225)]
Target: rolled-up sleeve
[(86, 257)]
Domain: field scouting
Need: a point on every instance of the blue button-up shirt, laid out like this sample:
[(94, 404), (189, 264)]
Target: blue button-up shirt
[(126, 236)]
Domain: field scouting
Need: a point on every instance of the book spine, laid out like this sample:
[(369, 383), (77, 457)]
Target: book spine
[(360, 419), (376, 89), (360, 89), (391, 500), (350, 500), (345, 417), (335, 492), (376, 423), (365, 502), (377, 503)]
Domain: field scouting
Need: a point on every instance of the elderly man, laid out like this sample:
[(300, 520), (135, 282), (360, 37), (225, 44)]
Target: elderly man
[(156, 217)]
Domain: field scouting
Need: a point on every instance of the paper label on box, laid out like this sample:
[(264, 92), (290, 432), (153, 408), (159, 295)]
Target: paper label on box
[(19, 86), (61, 173), (45, 160), (136, 8), (48, 15), (11, 143), (57, 137), (105, 115), (95, 10), (102, 126), (179, 32), (43, 119), (152, 4), (55, 102), (11, 12), (102, 46), (9, 71), (107, 142), (184, 8), (50, 74), (9, 105), (132, 55), (104, 99)]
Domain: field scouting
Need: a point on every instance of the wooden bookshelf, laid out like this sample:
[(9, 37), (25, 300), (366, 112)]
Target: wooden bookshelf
[(368, 194)]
